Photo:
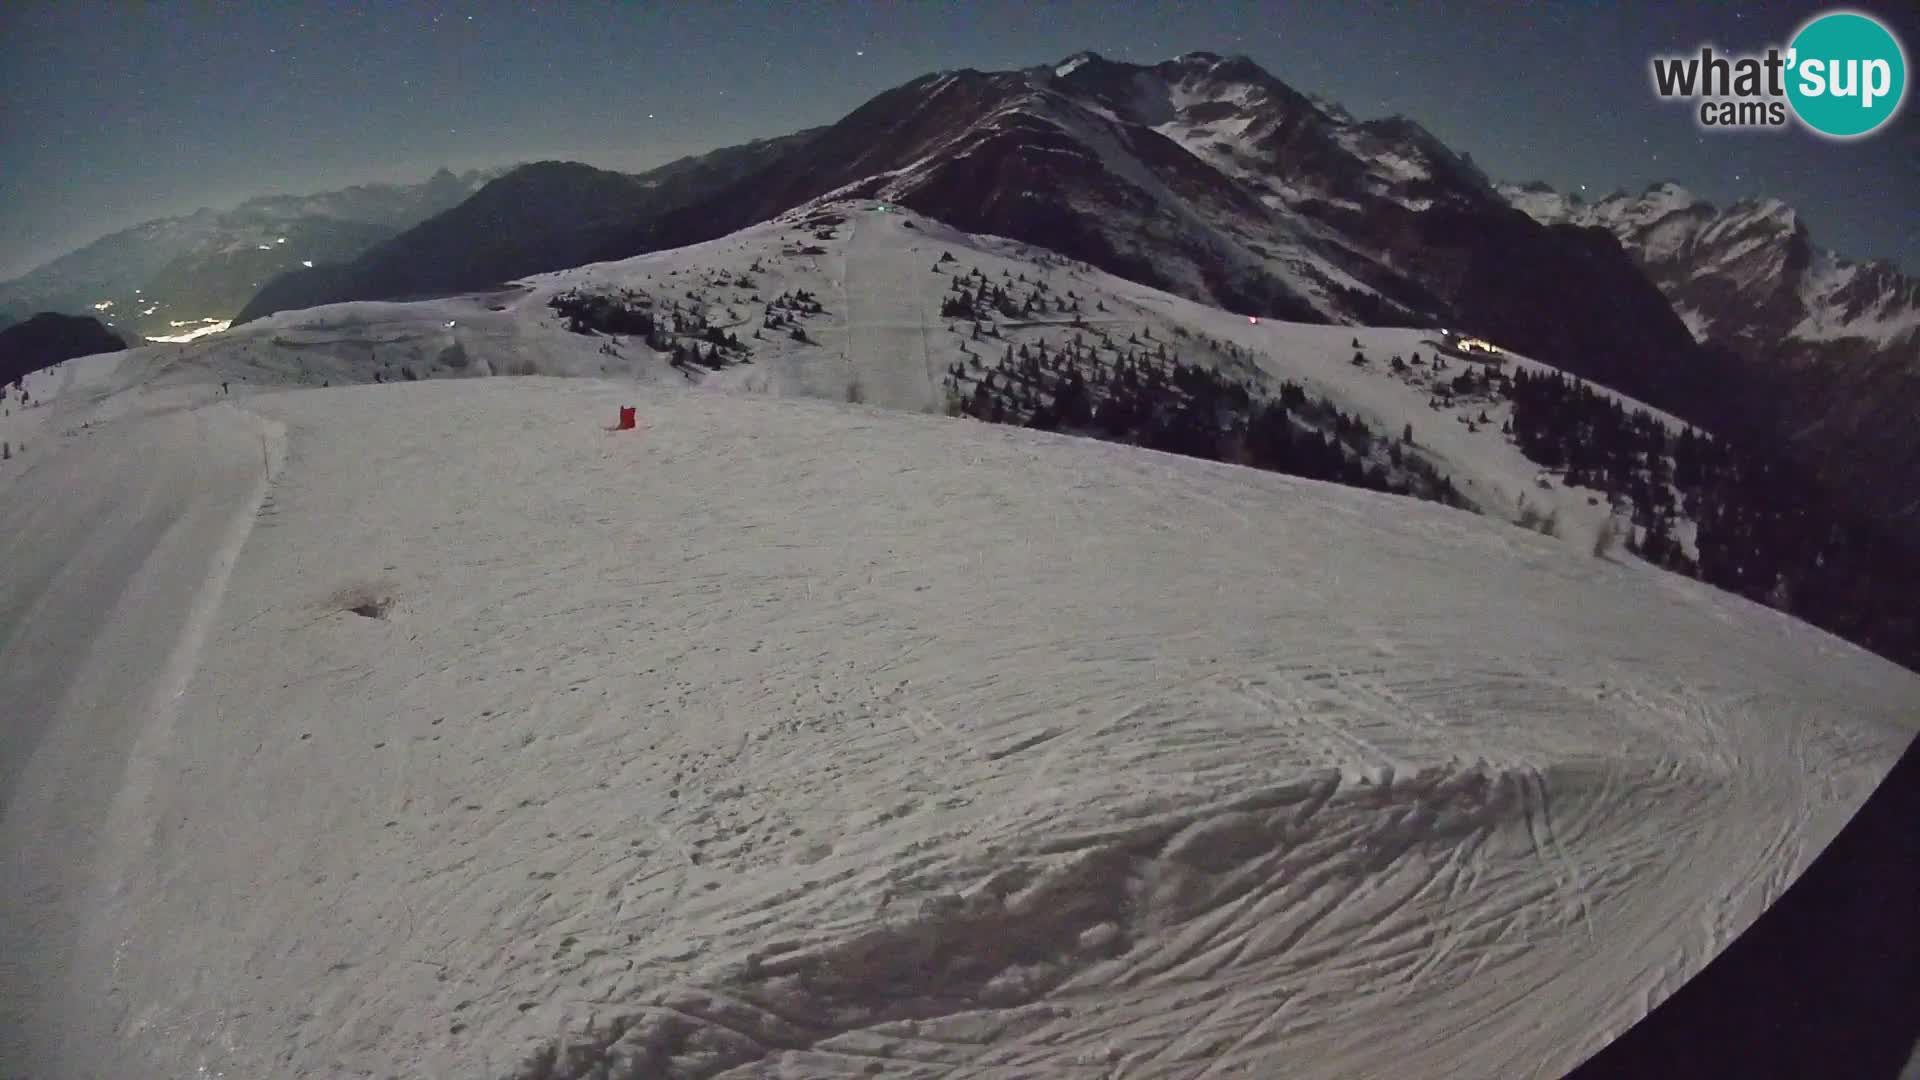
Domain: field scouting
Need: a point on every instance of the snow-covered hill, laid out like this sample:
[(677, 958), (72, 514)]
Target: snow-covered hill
[(880, 277), (883, 273), (436, 729)]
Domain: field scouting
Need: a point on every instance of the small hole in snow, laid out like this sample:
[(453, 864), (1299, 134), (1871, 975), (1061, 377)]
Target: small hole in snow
[(371, 600)]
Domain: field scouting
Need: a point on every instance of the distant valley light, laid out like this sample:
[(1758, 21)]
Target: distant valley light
[(212, 326)]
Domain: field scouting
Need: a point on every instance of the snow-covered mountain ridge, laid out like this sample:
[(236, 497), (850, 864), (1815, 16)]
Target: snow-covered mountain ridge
[(1746, 274)]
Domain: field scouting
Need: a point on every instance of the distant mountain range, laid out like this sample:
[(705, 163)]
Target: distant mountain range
[(172, 274), (1830, 347)]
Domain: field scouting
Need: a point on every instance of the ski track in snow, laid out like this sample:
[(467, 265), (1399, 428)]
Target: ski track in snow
[(116, 553), (886, 322), (810, 744)]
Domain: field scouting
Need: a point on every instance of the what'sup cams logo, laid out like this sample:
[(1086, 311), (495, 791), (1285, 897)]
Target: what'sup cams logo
[(1843, 75)]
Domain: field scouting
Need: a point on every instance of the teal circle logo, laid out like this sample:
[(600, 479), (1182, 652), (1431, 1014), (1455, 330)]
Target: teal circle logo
[(1846, 74)]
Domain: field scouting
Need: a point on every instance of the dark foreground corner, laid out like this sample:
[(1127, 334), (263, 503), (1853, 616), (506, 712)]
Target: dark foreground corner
[(1825, 983)]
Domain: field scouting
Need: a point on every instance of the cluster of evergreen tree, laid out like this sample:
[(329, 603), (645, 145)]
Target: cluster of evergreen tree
[(1562, 423), (687, 355), (798, 302), (787, 309), (974, 296), (603, 313), (1770, 533), (1765, 529), (1154, 400), (681, 332)]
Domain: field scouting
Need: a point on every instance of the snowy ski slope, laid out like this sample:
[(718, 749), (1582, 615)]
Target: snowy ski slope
[(886, 332), (880, 278), (434, 729)]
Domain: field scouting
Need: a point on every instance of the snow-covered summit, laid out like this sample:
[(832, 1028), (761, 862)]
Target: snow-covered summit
[(1746, 274)]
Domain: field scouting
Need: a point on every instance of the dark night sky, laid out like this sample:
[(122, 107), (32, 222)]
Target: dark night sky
[(115, 113)]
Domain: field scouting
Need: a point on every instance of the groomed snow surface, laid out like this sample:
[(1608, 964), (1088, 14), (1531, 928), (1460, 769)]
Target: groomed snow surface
[(435, 730)]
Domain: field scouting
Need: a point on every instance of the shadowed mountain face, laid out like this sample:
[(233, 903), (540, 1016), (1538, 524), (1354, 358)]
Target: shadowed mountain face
[(48, 338), (163, 276)]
